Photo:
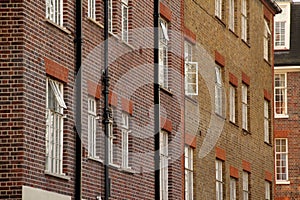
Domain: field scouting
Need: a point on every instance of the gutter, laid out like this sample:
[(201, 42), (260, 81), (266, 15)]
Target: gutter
[(156, 100), (106, 120), (78, 86)]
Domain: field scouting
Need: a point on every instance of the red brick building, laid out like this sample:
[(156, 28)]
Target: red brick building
[(286, 101), (39, 86)]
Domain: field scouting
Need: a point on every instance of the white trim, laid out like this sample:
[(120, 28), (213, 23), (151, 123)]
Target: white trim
[(58, 95), (30, 193), (283, 69), (190, 83), (164, 30)]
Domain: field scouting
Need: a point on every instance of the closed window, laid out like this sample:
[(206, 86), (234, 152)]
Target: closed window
[(232, 103), (280, 34), (281, 154), (164, 156), (267, 121), (125, 132), (244, 20), (245, 107), (191, 71), (267, 39), (188, 173), (233, 188), (219, 180), (55, 106), (219, 10), (232, 15), (54, 11), (125, 20), (280, 95), (111, 138), (92, 116), (218, 91), (110, 16), (92, 9), (163, 54), (282, 24), (267, 190), (246, 191)]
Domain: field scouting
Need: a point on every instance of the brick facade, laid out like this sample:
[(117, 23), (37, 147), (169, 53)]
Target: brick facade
[(240, 61)]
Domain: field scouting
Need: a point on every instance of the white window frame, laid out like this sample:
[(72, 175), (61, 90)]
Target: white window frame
[(125, 10), (244, 20), (267, 38), (219, 180), (218, 8), (246, 190), (191, 71), (92, 9), (54, 11), (125, 133), (232, 13), (191, 78), (282, 33), (164, 157), (281, 99), (267, 190), (110, 16), (218, 91), (189, 171), (281, 161), (163, 54), (111, 138), (54, 126), (233, 184), (92, 127), (245, 107), (267, 121), (232, 103)]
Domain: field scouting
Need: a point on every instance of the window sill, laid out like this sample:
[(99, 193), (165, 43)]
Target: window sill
[(220, 116), (96, 23), (61, 176), (166, 90), (127, 170), (96, 159), (119, 39), (282, 182), (246, 132), (192, 99), (234, 123), (230, 30), (281, 116), (268, 143), (114, 166), (220, 21), (63, 29), (122, 169), (246, 43), (267, 61)]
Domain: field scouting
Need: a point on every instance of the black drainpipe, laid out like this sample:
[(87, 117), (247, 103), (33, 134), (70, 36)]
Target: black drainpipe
[(106, 103), (78, 82), (156, 100)]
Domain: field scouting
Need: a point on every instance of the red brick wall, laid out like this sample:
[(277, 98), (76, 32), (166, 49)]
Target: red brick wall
[(12, 106), (289, 128)]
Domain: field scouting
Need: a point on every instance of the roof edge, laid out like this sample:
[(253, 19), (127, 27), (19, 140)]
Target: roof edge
[(273, 5)]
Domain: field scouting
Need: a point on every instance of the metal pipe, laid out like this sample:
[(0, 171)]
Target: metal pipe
[(156, 100), (106, 103), (78, 84)]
